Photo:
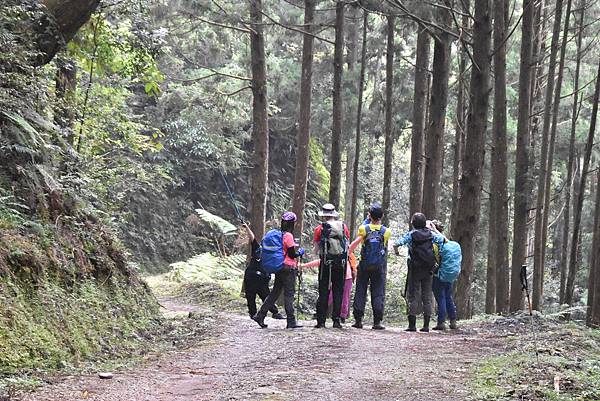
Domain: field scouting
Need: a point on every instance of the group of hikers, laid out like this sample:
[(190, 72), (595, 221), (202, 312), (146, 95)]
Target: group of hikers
[(433, 265)]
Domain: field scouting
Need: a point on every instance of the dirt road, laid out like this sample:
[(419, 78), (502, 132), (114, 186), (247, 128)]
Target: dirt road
[(247, 363)]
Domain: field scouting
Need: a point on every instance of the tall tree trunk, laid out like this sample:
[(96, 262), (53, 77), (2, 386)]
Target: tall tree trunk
[(564, 259), (471, 181), (389, 129), (542, 192), (522, 185), (434, 148), (336, 132), (417, 163), (65, 106), (593, 315), (303, 135), (578, 205), (361, 84), (260, 123), (499, 177), (350, 84)]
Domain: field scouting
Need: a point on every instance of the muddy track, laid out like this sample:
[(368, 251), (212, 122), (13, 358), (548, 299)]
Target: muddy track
[(247, 363)]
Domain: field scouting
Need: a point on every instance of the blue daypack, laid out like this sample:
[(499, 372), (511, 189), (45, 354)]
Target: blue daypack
[(373, 249), (450, 261), (272, 256)]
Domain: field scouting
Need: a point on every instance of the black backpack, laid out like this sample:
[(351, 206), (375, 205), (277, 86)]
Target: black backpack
[(421, 253), (334, 245)]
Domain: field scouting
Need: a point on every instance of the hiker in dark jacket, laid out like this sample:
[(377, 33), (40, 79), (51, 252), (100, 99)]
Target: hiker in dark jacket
[(285, 277), (372, 268), (256, 280), (421, 265), (330, 241)]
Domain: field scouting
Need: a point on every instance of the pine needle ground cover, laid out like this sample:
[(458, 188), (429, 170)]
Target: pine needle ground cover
[(568, 369)]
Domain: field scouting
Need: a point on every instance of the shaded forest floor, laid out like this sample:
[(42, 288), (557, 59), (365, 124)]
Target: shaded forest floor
[(235, 360)]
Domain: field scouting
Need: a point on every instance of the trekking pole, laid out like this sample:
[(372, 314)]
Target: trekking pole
[(299, 290), (231, 196), (525, 287)]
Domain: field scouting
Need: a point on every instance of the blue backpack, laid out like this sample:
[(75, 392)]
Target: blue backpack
[(272, 257), (373, 249), (450, 261)]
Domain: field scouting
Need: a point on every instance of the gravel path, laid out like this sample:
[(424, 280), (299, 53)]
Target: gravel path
[(247, 363)]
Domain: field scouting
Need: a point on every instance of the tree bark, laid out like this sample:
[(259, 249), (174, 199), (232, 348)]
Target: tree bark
[(351, 89), (62, 21), (389, 129), (522, 185), (593, 314), (65, 88), (542, 192), (336, 132), (499, 177), (303, 135), (471, 181), (260, 123), (417, 163), (361, 84), (434, 147), (578, 205), (564, 259)]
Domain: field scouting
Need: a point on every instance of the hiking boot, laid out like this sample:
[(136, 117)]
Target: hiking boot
[(278, 316), (292, 324), (412, 323), (343, 320), (378, 326), (260, 320), (337, 324), (425, 328), (320, 325), (453, 325), (441, 326), (358, 324)]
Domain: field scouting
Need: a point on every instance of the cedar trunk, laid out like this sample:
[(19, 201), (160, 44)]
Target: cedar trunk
[(578, 204), (472, 177), (434, 148), (336, 131), (361, 84), (417, 162), (303, 135), (499, 176), (389, 129), (542, 192), (260, 123), (564, 256), (522, 185), (593, 314)]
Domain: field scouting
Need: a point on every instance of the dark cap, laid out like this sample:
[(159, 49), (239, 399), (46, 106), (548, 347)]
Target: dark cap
[(376, 211)]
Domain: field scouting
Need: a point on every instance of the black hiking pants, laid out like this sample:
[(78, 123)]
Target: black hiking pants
[(333, 272), (285, 282), (373, 278), (419, 290), (256, 285)]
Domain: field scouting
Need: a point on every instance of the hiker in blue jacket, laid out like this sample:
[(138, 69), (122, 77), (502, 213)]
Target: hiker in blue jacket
[(421, 265), (277, 256), (442, 283)]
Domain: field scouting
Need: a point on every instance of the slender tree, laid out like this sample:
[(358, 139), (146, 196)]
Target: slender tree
[(471, 180), (434, 148), (336, 132), (303, 135), (542, 192), (578, 204), (499, 176), (418, 124), (65, 90), (564, 256), (593, 314), (361, 85), (522, 184), (260, 122), (389, 129)]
